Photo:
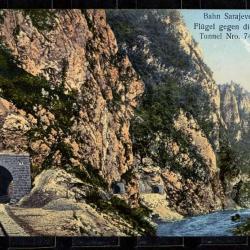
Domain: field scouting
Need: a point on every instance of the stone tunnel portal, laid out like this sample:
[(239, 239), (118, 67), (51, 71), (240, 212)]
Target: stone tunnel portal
[(15, 177)]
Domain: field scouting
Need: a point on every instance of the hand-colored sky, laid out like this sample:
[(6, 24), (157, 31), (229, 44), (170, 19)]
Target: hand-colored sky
[(228, 59)]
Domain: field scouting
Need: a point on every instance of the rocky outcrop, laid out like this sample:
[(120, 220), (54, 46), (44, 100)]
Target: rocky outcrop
[(76, 51), (63, 199), (162, 49), (235, 110), (191, 178), (178, 119), (160, 207), (229, 105), (55, 184), (67, 98)]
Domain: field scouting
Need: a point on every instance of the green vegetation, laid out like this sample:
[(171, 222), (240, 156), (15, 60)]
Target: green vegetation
[(163, 44), (154, 122), (158, 35), (227, 160), (1, 16), (232, 163), (135, 216), (90, 175), (16, 30), (154, 115), (243, 229), (89, 22), (43, 20), (197, 102), (125, 30), (130, 25), (27, 92)]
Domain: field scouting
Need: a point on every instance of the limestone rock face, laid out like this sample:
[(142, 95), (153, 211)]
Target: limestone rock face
[(230, 109), (235, 110), (14, 126), (198, 140), (237, 188), (243, 197), (181, 105), (79, 50), (54, 184), (193, 173), (160, 43)]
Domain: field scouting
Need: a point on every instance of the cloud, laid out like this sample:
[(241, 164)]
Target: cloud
[(246, 44)]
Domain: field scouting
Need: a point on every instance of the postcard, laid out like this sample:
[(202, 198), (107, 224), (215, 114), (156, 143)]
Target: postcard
[(124, 122)]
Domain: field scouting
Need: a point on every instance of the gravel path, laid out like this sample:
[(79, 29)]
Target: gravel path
[(10, 226)]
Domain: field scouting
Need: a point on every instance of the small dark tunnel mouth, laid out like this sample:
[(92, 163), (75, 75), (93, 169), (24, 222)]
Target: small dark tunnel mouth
[(157, 189), (117, 189), (6, 182)]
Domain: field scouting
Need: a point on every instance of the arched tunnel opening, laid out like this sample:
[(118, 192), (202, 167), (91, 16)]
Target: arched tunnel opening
[(118, 188), (158, 189), (6, 185)]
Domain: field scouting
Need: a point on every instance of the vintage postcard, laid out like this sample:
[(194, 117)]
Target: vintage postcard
[(124, 122)]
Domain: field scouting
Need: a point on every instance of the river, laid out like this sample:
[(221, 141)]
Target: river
[(214, 224)]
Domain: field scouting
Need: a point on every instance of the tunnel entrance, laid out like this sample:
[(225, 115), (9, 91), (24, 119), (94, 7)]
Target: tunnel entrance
[(118, 188), (6, 185), (15, 178), (158, 189)]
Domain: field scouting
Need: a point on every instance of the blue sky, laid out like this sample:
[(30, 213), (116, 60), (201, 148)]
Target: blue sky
[(228, 59)]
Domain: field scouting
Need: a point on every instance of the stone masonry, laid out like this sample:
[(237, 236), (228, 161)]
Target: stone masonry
[(19, 167)]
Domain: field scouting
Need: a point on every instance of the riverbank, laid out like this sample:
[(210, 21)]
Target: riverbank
[(159, 204), (38, 221), (243, 229), (218, 223)]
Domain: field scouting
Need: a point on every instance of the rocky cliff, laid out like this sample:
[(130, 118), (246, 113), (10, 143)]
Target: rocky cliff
[(71, 91), (124, 98), (67, 98), (177, 123), (235, 110)]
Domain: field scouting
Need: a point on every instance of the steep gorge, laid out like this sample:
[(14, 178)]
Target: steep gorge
[(177, 123), (84, 96), (67, 99), (124, 98)]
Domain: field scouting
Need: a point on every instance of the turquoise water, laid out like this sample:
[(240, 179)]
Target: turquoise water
[(214, 224)]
